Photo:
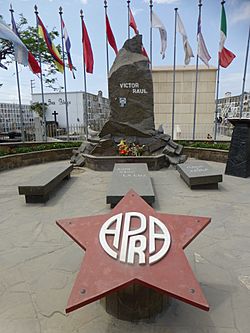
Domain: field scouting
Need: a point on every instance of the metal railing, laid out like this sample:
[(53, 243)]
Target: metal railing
[(77, 132), (203, 132)]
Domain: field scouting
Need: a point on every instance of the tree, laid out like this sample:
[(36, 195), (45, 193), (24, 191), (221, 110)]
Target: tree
[(30, 37), (38, 108)]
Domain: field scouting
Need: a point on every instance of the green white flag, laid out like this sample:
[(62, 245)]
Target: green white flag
[(225, 56)]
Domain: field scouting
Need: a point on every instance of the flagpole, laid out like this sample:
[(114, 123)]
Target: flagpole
[(19, 92), (107, 48), (217, 92), (64, 74), (41, 78), (244, 76), (173, 105), (196, 80), (151, 33), (85, 81), (128, 2), (216, 102)]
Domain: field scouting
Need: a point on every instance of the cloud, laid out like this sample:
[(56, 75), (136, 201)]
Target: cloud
[(136, 11), (84, 1), (242, 13)]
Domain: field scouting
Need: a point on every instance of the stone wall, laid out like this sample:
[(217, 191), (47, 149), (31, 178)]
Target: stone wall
[(215, 155), (21, 160), (184, 100)]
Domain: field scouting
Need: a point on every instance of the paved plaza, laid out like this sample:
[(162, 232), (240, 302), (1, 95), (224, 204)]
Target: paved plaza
[(39, 262)]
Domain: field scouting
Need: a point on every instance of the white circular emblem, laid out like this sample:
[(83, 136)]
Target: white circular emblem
[(128, 241)]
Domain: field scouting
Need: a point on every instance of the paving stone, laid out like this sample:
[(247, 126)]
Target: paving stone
[(39, 263)]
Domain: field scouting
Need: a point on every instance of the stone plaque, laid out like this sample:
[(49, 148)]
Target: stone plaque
[(127, 176), (199, 174)]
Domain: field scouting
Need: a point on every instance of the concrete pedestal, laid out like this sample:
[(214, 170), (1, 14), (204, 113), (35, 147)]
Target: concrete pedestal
[(238, 163), (134, 303)]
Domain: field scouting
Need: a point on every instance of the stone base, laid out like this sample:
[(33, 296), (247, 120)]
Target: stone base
[(238, 163), (134, 303), (107, 163)]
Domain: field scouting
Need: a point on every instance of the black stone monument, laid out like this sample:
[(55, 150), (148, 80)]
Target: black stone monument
[(130, 93), (238, 163), (132, 109)]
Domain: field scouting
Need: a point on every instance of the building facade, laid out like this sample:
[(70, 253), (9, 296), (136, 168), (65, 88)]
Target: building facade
[(97, 105), (185, 78), (229, 106), (10, 119)]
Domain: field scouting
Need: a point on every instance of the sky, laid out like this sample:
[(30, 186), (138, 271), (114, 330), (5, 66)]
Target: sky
[(231, 78)]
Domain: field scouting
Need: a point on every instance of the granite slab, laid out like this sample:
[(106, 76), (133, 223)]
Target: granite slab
[(199, 174), (127, 176)]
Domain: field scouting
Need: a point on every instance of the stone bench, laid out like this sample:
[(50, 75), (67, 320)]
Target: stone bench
[(39, 188), (199, 175), (127, 176)]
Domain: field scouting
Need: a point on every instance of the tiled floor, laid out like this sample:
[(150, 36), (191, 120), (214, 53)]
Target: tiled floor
[(38, 262)]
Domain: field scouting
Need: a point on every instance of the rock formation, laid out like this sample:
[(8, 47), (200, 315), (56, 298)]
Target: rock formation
[(130, 93), (132, 110)]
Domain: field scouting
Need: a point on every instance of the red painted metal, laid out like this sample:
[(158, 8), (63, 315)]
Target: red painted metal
[(101, 274)]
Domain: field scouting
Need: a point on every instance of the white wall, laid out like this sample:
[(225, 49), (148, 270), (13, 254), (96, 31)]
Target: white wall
[(56, 102), (184, 100)]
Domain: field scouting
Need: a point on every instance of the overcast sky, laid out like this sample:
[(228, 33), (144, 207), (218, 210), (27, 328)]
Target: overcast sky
[(238, 18)]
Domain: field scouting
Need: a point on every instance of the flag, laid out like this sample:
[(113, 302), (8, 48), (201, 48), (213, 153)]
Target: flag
[(144, 52), (21, 52), (87, 49), (225, 56), (132, 23), (187, 48), (33, 64), (68, 47), (156, 23), (111, 38), (202, 51), (43, 33)]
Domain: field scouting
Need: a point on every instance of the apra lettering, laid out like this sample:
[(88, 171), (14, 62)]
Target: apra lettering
[(129, 242)]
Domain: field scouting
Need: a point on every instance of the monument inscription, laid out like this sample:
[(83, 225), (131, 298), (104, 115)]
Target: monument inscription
[(199, 175), (134, 87), (127, 176)]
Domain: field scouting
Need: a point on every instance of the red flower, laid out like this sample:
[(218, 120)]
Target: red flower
[(123, 152)]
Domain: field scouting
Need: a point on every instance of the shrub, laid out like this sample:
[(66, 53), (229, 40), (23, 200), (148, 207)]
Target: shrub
[(49, 146)]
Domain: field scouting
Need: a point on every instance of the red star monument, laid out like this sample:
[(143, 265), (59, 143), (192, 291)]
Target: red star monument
[(134, 243)]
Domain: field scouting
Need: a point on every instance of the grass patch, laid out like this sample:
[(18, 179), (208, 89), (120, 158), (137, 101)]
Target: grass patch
[(206, 144), (41, 147), (61, 145)]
